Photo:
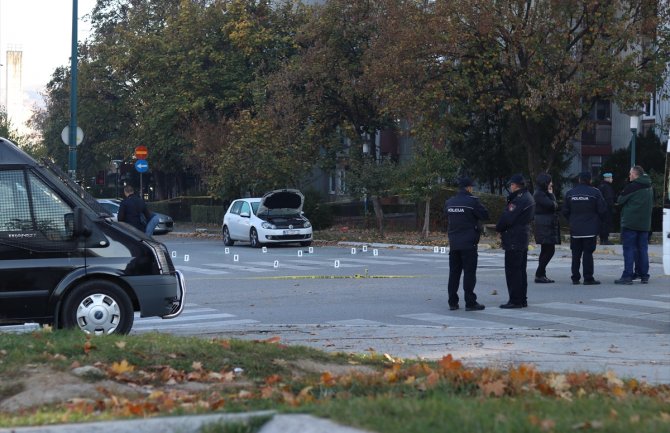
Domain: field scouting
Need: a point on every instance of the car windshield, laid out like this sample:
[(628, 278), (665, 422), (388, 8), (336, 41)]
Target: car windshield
[(110, 207)]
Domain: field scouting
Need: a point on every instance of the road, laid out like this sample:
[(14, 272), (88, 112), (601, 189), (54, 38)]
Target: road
[(229, 287)]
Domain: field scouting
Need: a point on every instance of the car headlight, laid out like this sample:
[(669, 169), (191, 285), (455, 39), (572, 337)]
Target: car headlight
[(307, 224), (267, 225)]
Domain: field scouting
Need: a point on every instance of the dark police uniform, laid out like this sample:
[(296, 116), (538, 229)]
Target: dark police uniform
[(608, 195), (132, 209), (514, 229), (585, 209), (464, 214)]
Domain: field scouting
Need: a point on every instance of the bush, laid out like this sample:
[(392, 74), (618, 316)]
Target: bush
[(179, 208), (495, 204), (318, 212)]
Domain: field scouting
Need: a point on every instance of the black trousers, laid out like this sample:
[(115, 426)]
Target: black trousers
[(465, 262), (582, 254), (606, 227), (516, 275), (546, 253)]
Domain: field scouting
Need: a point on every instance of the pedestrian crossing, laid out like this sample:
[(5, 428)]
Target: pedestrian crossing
[(616, 314), (317, 264), (193, 318)]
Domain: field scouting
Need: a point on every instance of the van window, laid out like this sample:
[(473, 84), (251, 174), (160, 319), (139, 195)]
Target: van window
[(14, 205), (32, 213), (53, 217)]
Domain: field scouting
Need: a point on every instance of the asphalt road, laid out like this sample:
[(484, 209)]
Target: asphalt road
[(238, 285)]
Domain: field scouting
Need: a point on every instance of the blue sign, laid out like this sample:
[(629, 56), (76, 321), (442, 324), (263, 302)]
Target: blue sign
[(141, 165)]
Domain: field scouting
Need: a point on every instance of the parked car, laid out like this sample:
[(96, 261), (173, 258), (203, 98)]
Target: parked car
[(66, 263), (274, 218), (165, 223)]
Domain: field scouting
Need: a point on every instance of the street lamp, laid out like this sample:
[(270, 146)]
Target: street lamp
[(117, 164), (634, 114)]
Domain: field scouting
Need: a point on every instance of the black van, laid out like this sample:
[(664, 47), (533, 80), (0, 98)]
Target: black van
[(64, 261)]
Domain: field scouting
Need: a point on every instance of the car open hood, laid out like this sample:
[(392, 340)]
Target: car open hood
[(281, 201)]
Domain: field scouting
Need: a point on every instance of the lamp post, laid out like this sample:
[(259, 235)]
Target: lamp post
[(634, 114), (117, 165)]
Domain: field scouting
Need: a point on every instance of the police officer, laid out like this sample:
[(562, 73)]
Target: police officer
[(464, 215), (585, 209), (514, 229)]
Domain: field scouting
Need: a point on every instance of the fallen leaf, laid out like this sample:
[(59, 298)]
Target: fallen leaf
[(120, 344), (122, 367), (273, 379), (448, 363), (197, 365), (497, 388)]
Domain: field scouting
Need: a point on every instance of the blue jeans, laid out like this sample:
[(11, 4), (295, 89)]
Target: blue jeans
[(635, 253), (151, 225)]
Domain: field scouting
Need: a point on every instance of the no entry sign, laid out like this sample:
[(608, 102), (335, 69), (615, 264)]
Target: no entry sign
[(141, 152)]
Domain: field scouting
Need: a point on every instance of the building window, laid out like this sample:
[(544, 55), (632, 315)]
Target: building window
[(336, 185), (650, 106), (602, 110)]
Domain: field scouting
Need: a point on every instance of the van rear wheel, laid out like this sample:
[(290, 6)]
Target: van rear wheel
[(98, 307)]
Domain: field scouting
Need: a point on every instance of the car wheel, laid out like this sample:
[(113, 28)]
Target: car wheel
[(253, 239), (98, 307), (227, 241), (306, 243)]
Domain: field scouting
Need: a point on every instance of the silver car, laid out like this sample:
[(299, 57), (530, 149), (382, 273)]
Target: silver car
[(275, 218), (165, 223)]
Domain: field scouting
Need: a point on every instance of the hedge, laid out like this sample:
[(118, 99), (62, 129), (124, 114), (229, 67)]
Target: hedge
[(207, 214)]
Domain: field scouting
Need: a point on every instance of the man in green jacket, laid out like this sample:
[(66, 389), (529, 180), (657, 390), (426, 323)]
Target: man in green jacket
[(636, 202)]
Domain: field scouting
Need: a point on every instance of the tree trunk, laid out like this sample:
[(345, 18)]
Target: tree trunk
[(426, 220), (379, 214)]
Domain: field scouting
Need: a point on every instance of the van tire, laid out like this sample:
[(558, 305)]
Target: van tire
[(98, 307), (227, 240)]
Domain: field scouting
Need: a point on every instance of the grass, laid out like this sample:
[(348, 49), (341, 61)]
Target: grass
[(173, 375)]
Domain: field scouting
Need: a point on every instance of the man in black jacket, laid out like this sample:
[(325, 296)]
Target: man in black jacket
[(514, 229), (607, 191), (464, 215), (585, 209), (132, 209)]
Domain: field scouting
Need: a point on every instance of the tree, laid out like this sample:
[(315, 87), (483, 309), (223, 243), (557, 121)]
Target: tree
[(425, 174), (548, 62), (370, 177), (650, 155)]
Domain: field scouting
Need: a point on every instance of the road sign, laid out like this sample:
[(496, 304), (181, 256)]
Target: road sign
[(65, 135), (141, 152), (141, 165)]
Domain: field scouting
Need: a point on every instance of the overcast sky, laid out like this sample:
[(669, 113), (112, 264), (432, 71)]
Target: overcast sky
[(42, 29)]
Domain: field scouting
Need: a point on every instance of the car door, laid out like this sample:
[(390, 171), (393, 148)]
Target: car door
[(37, 245), (244, 221), (235, 221)]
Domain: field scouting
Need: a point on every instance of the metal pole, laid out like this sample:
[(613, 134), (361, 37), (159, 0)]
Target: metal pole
[(73, 95), (632, 147)]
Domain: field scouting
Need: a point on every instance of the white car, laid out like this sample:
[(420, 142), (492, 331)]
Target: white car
[(111, 205), (272, 219)]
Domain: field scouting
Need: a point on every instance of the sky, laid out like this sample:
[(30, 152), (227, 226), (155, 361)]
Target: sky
[(42, 30)]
